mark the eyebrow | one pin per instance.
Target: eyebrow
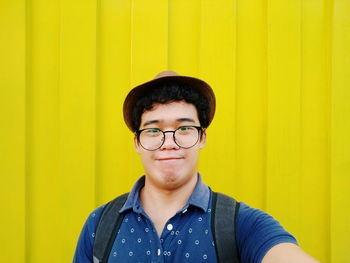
(150, 122)
(177, 120)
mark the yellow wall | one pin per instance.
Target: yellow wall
(280, 140)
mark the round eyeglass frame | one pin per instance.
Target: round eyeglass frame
(199, 129)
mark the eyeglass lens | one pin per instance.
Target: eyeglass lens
(153, 139)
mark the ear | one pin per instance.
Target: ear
(137, 144)
(203, 139)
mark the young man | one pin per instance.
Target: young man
(167, 216)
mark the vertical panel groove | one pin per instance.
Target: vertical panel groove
(265, 184)
(266, 90)
(97, 111)
(131, 37)
(328, 13)
(26, 131)
(168, 37)
(235, 92)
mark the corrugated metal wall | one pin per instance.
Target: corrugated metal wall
(280, 139)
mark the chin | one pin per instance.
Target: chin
(167, 176)
(174, 179)
(168, 180)
(171, 177)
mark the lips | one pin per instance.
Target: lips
(169, 158)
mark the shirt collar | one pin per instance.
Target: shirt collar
(199, 198)
(133, 200)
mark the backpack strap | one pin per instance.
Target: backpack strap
(107, 229)
(224, 214)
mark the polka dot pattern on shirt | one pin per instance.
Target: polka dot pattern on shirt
(185, 238)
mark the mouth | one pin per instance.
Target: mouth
(169, 158)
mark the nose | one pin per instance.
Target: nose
(169, 142)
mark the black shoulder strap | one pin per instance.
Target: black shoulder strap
(224, 211)
(107, 229)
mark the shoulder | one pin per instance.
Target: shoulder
(83, 252)
(248, 214)
(257, 232)
(91, 223)
(93, 219)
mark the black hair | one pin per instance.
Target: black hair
(167, 93)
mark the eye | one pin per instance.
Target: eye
(152, 131)
(184, 128)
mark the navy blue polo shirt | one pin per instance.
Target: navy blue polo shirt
(186, 237)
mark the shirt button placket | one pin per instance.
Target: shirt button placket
(160, 257)
(166, 253)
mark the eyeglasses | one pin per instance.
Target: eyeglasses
(152, 139)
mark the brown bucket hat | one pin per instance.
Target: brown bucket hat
(166, 76)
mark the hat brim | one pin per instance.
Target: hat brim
(140, 91)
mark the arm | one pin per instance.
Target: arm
(84, 248)
(261, 239)
(83, 251)
(287, 253)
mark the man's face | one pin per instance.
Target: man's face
(170, 167)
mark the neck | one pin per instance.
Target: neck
(169, 199)
(162, 204)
